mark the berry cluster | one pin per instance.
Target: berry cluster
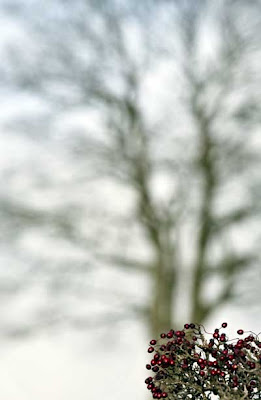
(188, 365)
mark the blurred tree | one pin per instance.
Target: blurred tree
(167, 94)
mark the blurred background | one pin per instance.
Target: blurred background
(130, 186)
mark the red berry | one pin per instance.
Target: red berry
(153, 342)
(150, 350)
(163, 335)
(214, 353)
(148, 366)
(240, 331)
(186, 326)
(224, 325)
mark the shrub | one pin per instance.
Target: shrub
(187, 364)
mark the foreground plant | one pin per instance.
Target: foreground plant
(187, 364)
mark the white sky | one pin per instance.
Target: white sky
(66, 366)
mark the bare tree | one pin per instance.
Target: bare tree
(98, 57)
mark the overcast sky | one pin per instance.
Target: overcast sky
(67, 366)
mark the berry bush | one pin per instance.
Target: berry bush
(193, 364)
